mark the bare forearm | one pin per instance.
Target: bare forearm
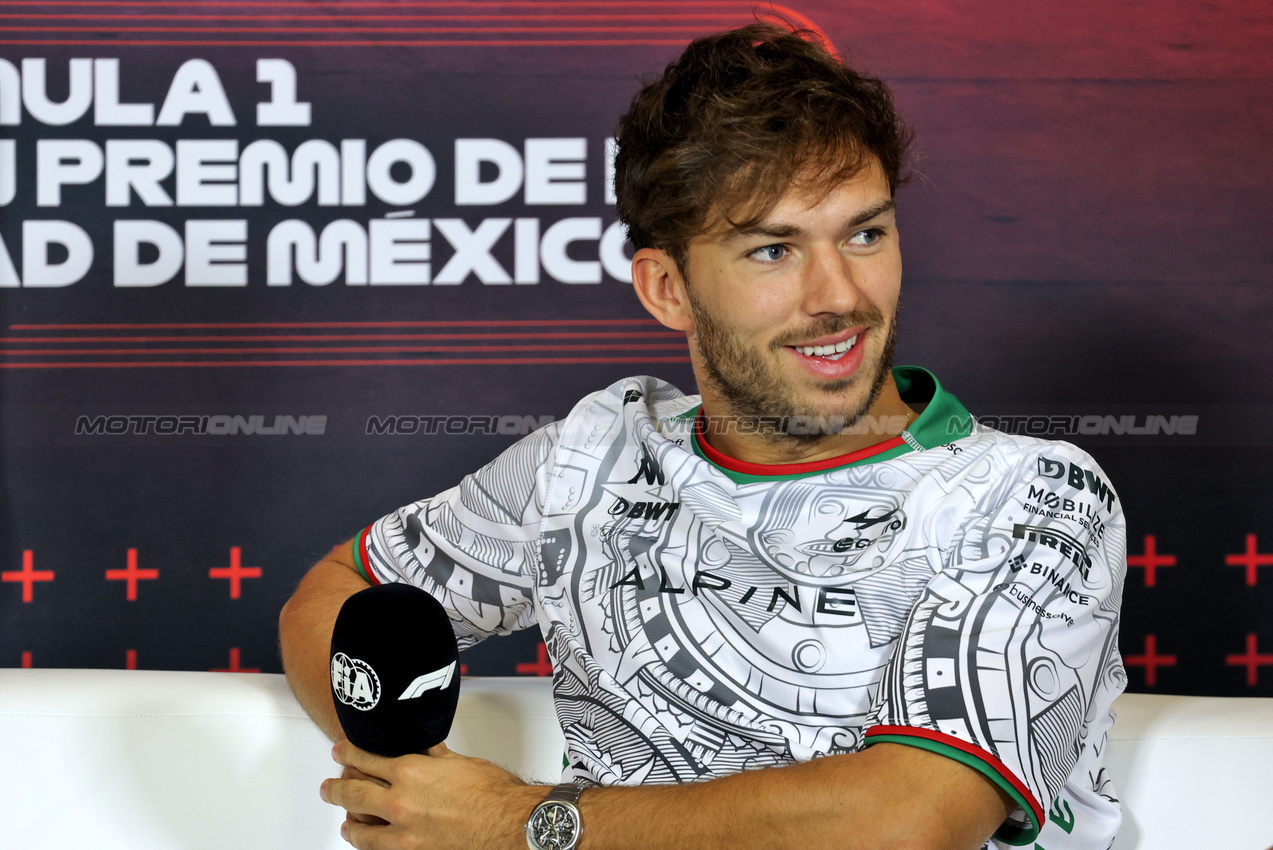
(887, 796)
(305, 630)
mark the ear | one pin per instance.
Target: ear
(659, 285)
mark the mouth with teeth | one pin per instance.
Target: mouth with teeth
(831, 358)
(828, 352)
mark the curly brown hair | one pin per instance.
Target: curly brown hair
(737, 119)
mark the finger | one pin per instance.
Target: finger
(365, 836)
(360, 818)
(355, 773)
(439, 750)
(355, 795)
(348, 755)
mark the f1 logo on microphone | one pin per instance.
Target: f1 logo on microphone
(439, 679)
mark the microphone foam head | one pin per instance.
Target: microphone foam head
(394, 670)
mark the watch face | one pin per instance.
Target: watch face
(554, 826)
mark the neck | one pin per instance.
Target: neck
(885, 419)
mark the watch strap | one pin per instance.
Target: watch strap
(566, 792)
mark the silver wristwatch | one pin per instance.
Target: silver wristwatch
(555, 824)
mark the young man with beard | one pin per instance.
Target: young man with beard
(816, 606)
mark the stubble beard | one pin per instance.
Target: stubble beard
(753, 389)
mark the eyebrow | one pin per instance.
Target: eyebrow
(786, 231)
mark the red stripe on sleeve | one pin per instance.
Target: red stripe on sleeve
(364, 563)
(972, 750)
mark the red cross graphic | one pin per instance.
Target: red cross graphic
(130, 660)
(28, 575)
(234, 664)
(131, 575)
(1249, 559)
(26, 660)
(541, 666)
(1252, 661)
(236, 572)
(1151, 660)
(1151, 560)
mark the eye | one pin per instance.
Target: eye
(868, 237)
(769, 253)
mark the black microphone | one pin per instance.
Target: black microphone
(395, 670)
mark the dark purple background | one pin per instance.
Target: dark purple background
(1088, 232)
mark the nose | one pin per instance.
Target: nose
(830, 283)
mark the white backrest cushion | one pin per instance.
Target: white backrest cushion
(144, 760)
(1193, 772)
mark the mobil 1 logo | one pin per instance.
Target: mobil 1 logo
(1079, 478)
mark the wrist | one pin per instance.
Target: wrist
(556, 824)
(520, 803)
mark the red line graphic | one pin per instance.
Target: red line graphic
(689, 31)
(628, 23)
(348, 337)
(476, 361)
(573, 42)
(346, 349)
(543, 16)
(544, 337)
(457, 323)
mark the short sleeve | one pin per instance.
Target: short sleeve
(474, 547)
(1009, 658)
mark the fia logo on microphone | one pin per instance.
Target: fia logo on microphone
(354, 682)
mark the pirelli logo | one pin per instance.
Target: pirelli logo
(1069, 547)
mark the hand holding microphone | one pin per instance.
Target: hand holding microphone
(395, 684)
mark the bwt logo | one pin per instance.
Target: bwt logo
(1078, 478)
(643, 510)
(216, 426)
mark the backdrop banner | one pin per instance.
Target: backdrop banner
(271, 270)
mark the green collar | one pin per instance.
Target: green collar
(942, 420)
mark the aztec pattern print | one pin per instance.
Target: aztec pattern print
(961, 595)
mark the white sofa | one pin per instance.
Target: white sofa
(141, 760)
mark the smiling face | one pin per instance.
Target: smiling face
(796, 316)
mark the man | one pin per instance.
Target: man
(817, 607)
